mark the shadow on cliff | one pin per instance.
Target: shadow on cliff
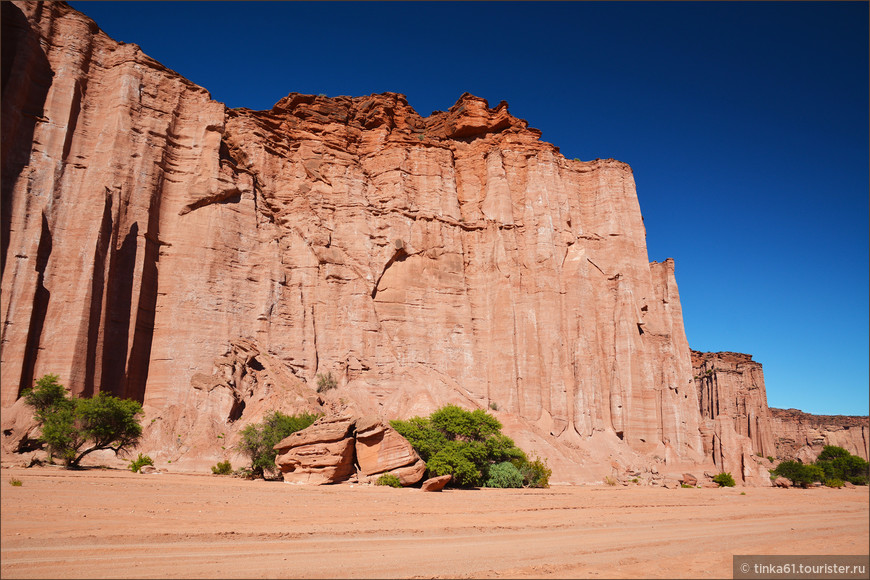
(26, 78)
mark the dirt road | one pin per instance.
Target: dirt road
(116, 524)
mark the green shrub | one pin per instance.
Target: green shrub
(770, 458)
(139, 462)
(536, 473)
(504, 474)
(837, 463)
(325, 382)
(834, 483)
(466, 445)
(70, 424)
(390, 480)
(15, 482)
(258, 440)
(798, 473)
(222, 468)
(687, 485)
(724, 479)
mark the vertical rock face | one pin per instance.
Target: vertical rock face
(210, 262)
(803, 436)
(735, 421)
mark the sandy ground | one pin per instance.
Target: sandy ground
(109, 523)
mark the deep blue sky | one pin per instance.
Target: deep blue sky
(746, 125)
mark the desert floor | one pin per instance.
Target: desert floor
(109, 523)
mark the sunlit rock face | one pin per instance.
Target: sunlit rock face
(213, 262)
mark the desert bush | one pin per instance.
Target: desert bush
(325, 382)
(610, 480)
(466, 444)
(837, 463)
(222, 468)
(724, 479)
(834, 483)
(798, 473)
(536, 473)
(243, 473)
(504, 474)
(686, 485)
(258, 440)
(140, 462)
(75, 427)
(390, 480)
(15, 482)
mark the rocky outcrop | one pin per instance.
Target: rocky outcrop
(735, 421)
(802, 436)
(336, 447)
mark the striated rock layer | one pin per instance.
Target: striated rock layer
(803, 436)
(212, 262)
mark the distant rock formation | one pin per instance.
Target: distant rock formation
(212, 262)
(802, 436)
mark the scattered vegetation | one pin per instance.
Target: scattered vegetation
(838, 483)
(839, 464)
(243, 473)
(259, 439)
(724, 479)
(609, 480)
(222, 468)
(14, 481)
(325, 382)
(834, 464)
(687, 485)
(140, 462)
(493, 405)
(467, 445)
(798, 473)
(390, 480)
(75, 427)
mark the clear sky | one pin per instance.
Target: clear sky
(746, 125)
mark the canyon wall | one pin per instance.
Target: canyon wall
(212, 262)
(736, 425)
(802, 436)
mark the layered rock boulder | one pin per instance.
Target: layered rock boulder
(333, 449)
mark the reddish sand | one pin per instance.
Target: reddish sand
(108, 523)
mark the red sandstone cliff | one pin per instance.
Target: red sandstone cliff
(211, 262)
(802, 435)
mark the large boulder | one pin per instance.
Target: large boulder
(321, 453)
(333, 448)
(781, 482)
(381, 449)
(436, 483)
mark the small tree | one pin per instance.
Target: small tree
(75, 427)
(259, 439)
(798, 473)
(839, 464)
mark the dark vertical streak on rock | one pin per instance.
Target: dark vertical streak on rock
(40, 307)
(26, 78)
(116, 326)
(97, 289)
